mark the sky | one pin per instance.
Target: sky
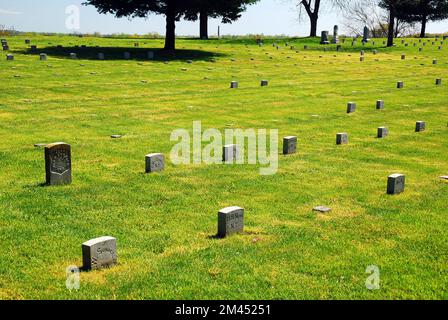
(268, 17)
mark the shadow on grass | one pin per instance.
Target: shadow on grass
(118, 53)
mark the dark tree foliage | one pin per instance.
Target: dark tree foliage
(424, 11)
(228, 10)
(173, 10)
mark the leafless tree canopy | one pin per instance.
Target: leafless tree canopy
(362, 13)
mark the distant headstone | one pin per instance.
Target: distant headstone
(338, 48)
(58, 164)
(380, 104)
(289, 145)
(9, 57)
(155, 162)
(420, 126)
(136, 44)
(127, 55)
(230, 221)
(229, 153)
(33, 48)
(73, 56)
(438, 82)
(335, 39)
(5, 48)
(383, 132)
(101, 56)
(396, 183)
(351, 107)
(27, 41)
(324, 38)
(234, 85)
(264, 83)
(99, 253)
(434, 61)
(43, 57)
(362, 59)
(366, 35)
(403, 57)
(400, 85)
(342, 138)
(305, 47)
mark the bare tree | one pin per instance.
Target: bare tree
(313, 9)
(367, 13)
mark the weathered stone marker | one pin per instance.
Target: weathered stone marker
(289, 145)
(434, 61)
(73, 56)
(324, 38)
(380, 104)
(342, 138)
(27, 41)
(58, 164)
(383, 132)
(264, 83)
(362, 58)
(155, 162)
(9, 57)
(101, 56)
(33, 48)
(420, 126)
(400, 85)
(366, 35)
(99, 253)
(335, 39)
(230, 221)
(395, 183)
(127, 55)
(438, 82)
(234, 85)
(351, 107)
(403, 57)
(229, 153)
(43, 57)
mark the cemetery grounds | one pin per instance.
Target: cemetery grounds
(165, 223)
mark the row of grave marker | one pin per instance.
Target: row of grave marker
(101, 252)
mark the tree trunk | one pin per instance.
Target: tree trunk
(170, 37)
(312, 14)
(423, 31)
(391, 31)
(203, 22)
(313, 20)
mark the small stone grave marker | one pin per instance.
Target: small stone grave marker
(396, 183)
(58, 164)
(99, 253)
(230, 221)
(155, 162)
(289, 145)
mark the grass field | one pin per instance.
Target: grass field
(165, 222)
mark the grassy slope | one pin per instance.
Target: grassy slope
(164, 222)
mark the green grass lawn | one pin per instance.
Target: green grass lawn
(164, 223)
